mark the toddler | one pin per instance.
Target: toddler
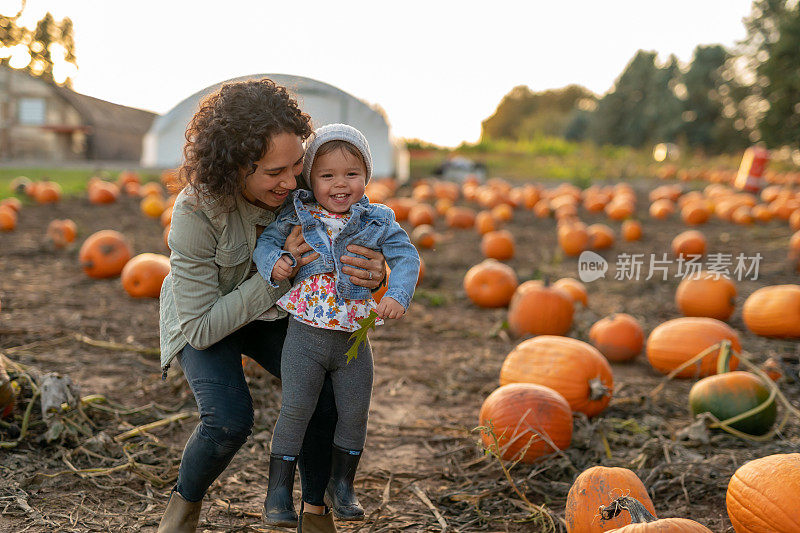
(326, 307)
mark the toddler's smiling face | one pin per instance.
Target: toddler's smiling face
(338, 180)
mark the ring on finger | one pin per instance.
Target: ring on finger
(370, 274)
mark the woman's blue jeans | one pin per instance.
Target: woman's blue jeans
(226, 411)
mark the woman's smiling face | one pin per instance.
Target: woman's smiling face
(275, 173)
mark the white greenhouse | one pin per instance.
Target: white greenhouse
(163, 143)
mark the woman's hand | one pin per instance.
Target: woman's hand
(367, 271)
(297, 246)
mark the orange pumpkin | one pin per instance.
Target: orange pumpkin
(424, 236)
(48, 192)
(62, 232)
(503, 212)
(662, 209)
(526, 417)
(573, 368)
(103, 192)
(126, 177)
(8, 218)
(695, 213)
(600, 236)
(573, 238)
(619, 209)
(401, 207)
(597, 486)
(13, 203)
(104, 254)
(498, 245)
(706, 294)
(644, 522)
(421, 214)
(763, 495)
(151, 188)
(619, 337)
(542, 208)
(490, 284)
(676, 341)
(631, 230)
(773, 311)
(143, 275)
(575, 289)
(485, 222)
(152, 205)
(537, 309)
(460, 217)
(689, 243)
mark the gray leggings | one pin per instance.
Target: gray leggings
(308, 353)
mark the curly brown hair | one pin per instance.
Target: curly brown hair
(233, 129)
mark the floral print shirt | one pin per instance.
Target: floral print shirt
(314, 301)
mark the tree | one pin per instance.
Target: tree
(39, 43)
(524, 114)
(780, 122)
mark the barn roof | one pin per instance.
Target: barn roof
(102, 114)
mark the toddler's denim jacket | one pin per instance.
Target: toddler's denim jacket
(371, 226)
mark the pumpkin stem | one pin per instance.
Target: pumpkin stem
(724, 357)
(639, 514)
(597, 389)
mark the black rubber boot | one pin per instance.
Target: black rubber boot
(279, 504)
(340, 492)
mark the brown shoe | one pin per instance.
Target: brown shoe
(316, 523)
(180, 516)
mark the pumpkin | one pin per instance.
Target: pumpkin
(424, 236)
(642, 521)
(151, 189)
(762, 495)
(8, 218)
(600, 236)
(490, 284)
(575, 289)
(485, 222)
(542, 208)
(573, 368)
(498, 245)
(48, 192)
(460, 217)
(103, 192)
(573, 238)
(132, 189)
(596, 486)
(695, 213)
(442, 206)
(537, 309)
(729, 394)
(166, 217)
(128, 176)
(143, 275)
(377, 193)
(619, 337)
(421, 214)
(676, 341)
(631, 230)
(62, 232)
(152, 205)
(401, 207)
(526, 417)
(661, 209)
(794, 220)
(706, 294)
(104, 254)
(13, 203)
(619, 209)
(773, 311)
(761, 213)
(20, 185)
(503, 212)
(688, 243)
(8, 394)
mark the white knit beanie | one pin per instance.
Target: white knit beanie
(334, 132)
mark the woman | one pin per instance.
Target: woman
(242, 155)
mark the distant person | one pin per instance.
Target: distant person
(326, 308)
(243, 156)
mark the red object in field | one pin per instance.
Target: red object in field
(751, 172)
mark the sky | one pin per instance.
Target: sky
(438, 68)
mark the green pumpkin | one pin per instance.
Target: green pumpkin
(727, 395)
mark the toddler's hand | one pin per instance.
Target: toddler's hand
(390, 308)
(282, 269)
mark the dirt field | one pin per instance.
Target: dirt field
(423, 467)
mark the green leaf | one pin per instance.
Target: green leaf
(367, 323)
